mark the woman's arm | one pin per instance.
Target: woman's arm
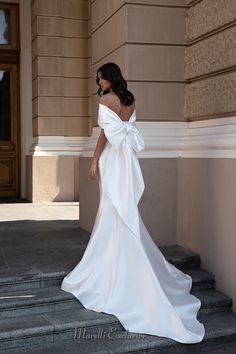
(97, 152)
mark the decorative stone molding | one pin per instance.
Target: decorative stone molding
(209, 15)
(192, 2)
(57, 146)
(210, 97)
(209, 139)
(163, 3)
(211, 54)
(214, 138)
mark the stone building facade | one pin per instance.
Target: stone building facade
(179, 59)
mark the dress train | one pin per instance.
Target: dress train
(122, 271)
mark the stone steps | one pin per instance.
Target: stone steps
(181, 257)
(25, 281)
(44, 300)
(36, 301)
(24, 278)
(38, 317)
(201, 279)
(59, 332)
(213, 301)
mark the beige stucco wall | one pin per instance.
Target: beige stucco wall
(206, 220)
(206, 200)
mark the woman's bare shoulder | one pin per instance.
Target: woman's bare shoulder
(109, 99)
(113, 102)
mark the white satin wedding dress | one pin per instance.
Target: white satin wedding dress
(122, 271)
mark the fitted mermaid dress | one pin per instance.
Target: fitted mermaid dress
(122, 271)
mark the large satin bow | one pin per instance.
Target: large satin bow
(122, 180)
(120, 132)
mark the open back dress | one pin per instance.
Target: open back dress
(122, 271)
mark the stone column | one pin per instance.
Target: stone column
(61, 96)
(147, 40)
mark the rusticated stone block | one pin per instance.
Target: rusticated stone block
(48, 66)
(77, 67)
(103, 10)
(75, 28)
(76, 47)
(162, 24)
(103, 35)
(209, 15)
(48, 46)
(212, 54)
(45, 7)
(48, 86)
(76, 106)
(76, 9)
(213, 96)
(77, 126)
(48, 126)
(76, 87)
(48, 106)
(49, 26)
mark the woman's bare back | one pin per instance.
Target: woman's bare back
(113, 102)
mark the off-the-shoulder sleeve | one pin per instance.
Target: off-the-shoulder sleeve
(118, 131)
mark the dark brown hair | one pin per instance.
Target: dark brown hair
(111, 72)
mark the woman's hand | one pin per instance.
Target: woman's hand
(92, 170)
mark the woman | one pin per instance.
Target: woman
(122, 271)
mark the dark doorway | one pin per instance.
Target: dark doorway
(9, 101)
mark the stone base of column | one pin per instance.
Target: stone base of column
(52, 178)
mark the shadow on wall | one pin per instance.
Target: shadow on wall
(89, 196)
(52, 178)
(206, 215)
(66, 185)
